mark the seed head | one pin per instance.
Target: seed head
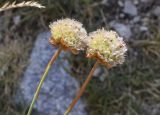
(69, 34)
(107, 47)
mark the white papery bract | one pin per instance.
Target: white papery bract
(106, 46)
(69, 31)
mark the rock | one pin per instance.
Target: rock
(120, 3)
(122, 29)
(97, 72)
(146, 1)
(102, 78)
(151, 109)
(136, 19)
(121, 15)
(143, 28)
(145, 21)
(130, 8)
(58, 90)
(156, 11)
(16, 20)
(136, 2)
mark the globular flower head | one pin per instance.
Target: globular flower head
(107, 47)
(69, 34)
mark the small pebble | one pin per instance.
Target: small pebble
(156, 11)
(16, 20)
(130, 8)
(143, 28)
(122, 29)
(120, 3)
(136, 19)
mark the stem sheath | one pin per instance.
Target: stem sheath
(80, 92)
(54, 57)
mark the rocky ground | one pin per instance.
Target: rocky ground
(129, 17)
(132, 88)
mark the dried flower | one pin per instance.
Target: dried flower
(69, 34)
(107, 47)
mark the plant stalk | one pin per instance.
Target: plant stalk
(54, 57)
(80, 92)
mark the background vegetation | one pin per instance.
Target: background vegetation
(130, 89)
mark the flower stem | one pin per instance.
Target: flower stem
(80, 92)
(54, 57)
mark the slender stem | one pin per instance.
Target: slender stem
(42, 79)
(82, 89)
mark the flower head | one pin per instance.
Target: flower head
(68, 33)
(107, 47)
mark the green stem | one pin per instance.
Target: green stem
(80, 92)
(42, 80)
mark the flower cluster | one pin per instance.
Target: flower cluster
(69, 34)
(106, 46)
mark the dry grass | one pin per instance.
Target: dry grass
(9, 5)
(132, 88)
(13, 58)
(15, 46)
